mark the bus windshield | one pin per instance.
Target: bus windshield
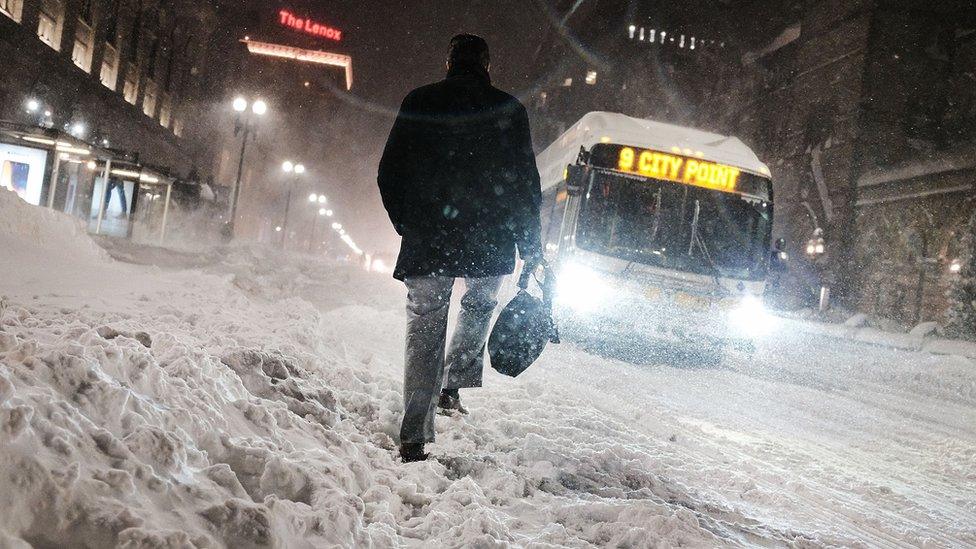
(676, 226)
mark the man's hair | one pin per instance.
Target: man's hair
(468, 49)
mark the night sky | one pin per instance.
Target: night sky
(401, 45)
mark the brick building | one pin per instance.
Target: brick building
(125, 71)
(126, 81)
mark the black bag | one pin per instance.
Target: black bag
(524, 327)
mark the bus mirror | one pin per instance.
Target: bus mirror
(575, 179)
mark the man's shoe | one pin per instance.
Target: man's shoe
(412, 451)
(449, 405)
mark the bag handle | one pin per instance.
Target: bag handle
(548, 286)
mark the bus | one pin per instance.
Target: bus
(657, 232)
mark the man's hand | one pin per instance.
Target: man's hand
(529, 266)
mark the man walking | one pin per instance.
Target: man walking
(459, 181)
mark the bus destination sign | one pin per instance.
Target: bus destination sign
(668, 167)
(679, 169)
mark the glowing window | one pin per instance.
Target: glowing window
(12, 8)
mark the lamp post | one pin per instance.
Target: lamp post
(317, 200)
(292, 170)
(244, 125)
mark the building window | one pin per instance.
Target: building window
(149, 100)
(178, 126)
(130, 90)
(12, 8)
(165, 109)
(568, 82)
(591, 77)
(50, 20)
(110, 67)
(82, 53)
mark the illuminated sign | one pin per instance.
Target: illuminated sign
(308, 26)
(680, 169)
(299, 54)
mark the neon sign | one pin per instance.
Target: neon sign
(308, 26)
(680, 169)
(299, 54)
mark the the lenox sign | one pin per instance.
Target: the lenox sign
(308, 26)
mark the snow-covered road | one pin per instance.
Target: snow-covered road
(809, 440)
(246, 398)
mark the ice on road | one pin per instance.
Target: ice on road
(248, 398)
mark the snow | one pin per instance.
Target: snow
(240, 397)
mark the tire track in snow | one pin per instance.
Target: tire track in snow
(841, 498)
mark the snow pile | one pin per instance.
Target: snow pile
(214, 408)
(24, 228)
(249, 398)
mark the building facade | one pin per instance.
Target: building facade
(89, 86)
(119, 73)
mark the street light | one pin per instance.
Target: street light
(322, 211)
(289, 167)
(322, 199)
(313, 197)
(33, 105)
(242, 125)
(78, 129)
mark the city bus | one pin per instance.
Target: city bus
(657, 232)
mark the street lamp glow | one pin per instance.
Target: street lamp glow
(259, 107)
(313, 197)
(278, 229)
(299, 168)
(33, 105)
(337, 226)
(78, 129)
(328, 213)
(322, 211)
(47, 114)
(240, 104)
(287, 166)
(322, 199)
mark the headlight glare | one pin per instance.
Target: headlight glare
(579, 287)
(751, 318)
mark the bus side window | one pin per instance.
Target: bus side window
(552, 210)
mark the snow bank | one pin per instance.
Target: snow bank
(27, 227)
(216, 408)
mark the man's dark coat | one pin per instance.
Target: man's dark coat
(459, 181)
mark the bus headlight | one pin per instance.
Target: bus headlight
(751, 318)
(581, 288)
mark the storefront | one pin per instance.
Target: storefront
(108, 190)
(129, 201)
